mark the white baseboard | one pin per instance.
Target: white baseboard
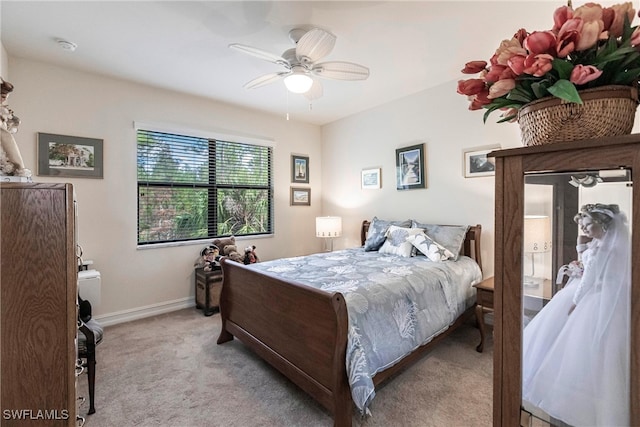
(146, 311)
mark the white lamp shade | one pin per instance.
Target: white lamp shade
(537, 233)
(298, 82)
(328, 226)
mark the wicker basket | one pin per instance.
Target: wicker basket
(606, 111)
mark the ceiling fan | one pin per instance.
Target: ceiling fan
(301, 64)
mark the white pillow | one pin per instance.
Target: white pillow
(430, 248)
(396, 242)
(450, 236)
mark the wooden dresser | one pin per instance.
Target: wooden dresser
(38, 305)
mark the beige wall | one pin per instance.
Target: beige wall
(4, 63)
(438, 118)
(3, 53)
(55, 100)
(61, 101)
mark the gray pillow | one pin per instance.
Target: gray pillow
(378, 229)
(449, 236)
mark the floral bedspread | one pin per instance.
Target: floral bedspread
(395, 304)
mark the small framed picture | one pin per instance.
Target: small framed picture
(300, 196)
(477, 163)
(371, 178)
(299, 169)
(410, 169)
(69, 156)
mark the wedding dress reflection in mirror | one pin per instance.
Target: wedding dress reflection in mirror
(576, 349)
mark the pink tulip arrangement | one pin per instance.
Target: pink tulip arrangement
(588, 47)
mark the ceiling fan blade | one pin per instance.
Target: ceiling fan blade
(341, 70)
(259, 53)
(314, 45)
(315, 92)
(265, 80)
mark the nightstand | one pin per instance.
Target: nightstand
(484, 304)
(208, 287)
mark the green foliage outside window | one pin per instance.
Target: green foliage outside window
(193, 188)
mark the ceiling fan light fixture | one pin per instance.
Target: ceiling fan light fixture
(301, 66)
(298, 82)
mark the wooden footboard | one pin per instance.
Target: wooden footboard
(299, 330)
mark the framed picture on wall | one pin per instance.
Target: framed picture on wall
(410, 167)
(69, 156)
(370, 178)
(477, 163)
(299, 169)
(300, 196)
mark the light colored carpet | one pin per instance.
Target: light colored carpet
(168, 371)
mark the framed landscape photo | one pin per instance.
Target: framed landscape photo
(410, 167)
(477, 163)
(300, 196)
(299, 169)
(370, 178)
(69, 156)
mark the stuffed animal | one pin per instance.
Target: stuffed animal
(229, 249)
(215, 253)
(221, 243)
(200, 261)
(231, 252)
(212, 259)
(209, 259)
(250, 256)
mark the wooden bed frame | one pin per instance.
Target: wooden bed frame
(302, 331)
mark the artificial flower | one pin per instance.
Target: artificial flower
(582, 74)
(586, 47)
(471, 86)
(540, 42)
(501, 88)
(474, 67)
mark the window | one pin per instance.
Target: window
(192, 188)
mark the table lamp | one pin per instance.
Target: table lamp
(328, 227)
(537, 238)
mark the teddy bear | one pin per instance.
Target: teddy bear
(231, 252)
(250, 256)
(229, 249)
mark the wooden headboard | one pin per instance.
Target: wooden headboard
(470, 248)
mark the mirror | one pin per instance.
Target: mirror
(576, 283)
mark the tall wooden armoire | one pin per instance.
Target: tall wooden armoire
(38, 305)
(554, 181)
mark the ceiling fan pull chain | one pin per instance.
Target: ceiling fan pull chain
(287, 95)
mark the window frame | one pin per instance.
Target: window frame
(212, 186)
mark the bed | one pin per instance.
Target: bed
(303, 328)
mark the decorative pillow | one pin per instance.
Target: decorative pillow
(377, 231)
(397, 241)
(449, 236)
(430, 248)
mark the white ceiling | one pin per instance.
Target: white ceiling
(183, 45)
